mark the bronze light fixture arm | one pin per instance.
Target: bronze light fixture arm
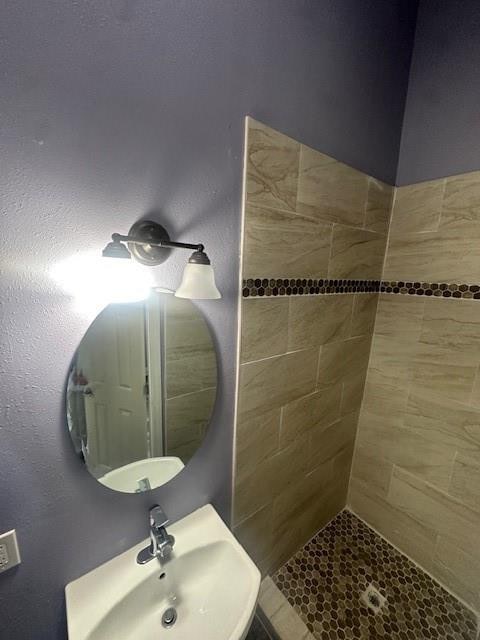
(149, 243)
(168, 244)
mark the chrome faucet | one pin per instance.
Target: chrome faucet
(161, 542)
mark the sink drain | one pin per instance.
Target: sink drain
(169, 617)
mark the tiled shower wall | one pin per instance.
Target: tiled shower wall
(314, 237)
(416, 473)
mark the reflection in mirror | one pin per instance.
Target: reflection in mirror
(141, 391)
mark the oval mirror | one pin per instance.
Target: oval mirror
(141, 391)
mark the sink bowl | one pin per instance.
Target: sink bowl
(157, 470)
(209, 581)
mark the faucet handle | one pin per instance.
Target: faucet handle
(158, 517)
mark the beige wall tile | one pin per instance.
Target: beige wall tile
(317, 410)
(431, 376)
(364, 311)
(371, 469)
(264, 328)
(465, 483)
(257, 439)
(450, 326)
(272, 167)
(379, 205)
(356, 253)
(340, 360)
(445, 256)
(270, 479)
(434, 416)
(256, 533)
(270, 383)
(314, 321)
(435, 510)
(411, 536)
(461, 206)
(353, 387)
(327, 443)
(330, 190)
(282, 616)
(187, 419)
(459, 570)
(298, 512)
(418, 207)
(282, 245)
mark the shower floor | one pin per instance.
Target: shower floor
(324, 581)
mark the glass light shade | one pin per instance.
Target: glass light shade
(198, 283)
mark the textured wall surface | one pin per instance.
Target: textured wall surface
(303, 358)
(416, 472)
(110, 111)
(442, 128)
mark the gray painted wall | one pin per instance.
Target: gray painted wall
(441, 130)
(111, 110)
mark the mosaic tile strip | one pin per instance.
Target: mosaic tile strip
(439, 289)
(302, 286)
(325, 580)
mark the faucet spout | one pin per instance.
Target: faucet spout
(161, 542)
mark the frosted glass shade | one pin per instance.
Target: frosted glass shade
(198, 283)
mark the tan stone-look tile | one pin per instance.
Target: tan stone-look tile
(352, 394)
(318, 409)
(426, 458)
(418, 207)
(255, 533)
(330, 190)
(298, 513)
(371, 469)
(191, 373)
(452, 327)
(430, 375)
(364, 312)
(272, 167)
(443, 256)
(187, 419)
(257, 438)
(272, 382)
(264, 328)
(314, 321)
(270, 479)
(356, 253)
(465, 481)
(379, 205)
(458, 570)
(461, 205)
(278, 244)
(435, 510)
(414, 538)
(339, 360)
(326, 443)
(454, 425)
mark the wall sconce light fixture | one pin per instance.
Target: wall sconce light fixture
(149, 243)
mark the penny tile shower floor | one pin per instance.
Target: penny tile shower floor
(325, 579)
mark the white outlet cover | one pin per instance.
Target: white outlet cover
(9, 551)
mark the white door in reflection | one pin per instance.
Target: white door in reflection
(114, 369)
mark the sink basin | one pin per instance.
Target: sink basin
(209, 580)
(157, 470)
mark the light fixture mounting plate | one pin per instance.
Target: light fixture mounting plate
(149, 231)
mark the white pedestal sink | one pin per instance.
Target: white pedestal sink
(209, 581)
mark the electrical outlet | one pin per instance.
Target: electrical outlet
(9, 552)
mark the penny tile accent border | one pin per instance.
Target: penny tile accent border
(257, 287)
(437, 289)
(266, 287)
(324, 582)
